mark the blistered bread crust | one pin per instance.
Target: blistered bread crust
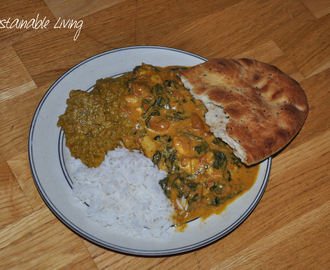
(265, 107)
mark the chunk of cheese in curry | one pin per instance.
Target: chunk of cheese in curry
(149, 109)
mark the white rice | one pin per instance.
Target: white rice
(123, 194)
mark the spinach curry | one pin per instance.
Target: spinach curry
(149, 109)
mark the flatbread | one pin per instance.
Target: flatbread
(252, 106)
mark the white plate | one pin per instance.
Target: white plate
(47, 155)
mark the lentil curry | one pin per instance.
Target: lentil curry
(150, 110)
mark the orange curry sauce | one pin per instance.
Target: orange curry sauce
(149, 109)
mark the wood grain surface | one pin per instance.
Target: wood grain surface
(290, 227)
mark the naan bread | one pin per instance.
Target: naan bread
(252, 106)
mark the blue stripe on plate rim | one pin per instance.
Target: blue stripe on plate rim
(98, 241)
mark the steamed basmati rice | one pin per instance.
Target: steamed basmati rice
(124, 195)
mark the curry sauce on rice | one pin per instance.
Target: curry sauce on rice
(151, 111)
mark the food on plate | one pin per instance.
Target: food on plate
(252, 106)
(151, 111)
(96, 122)
(123, 194)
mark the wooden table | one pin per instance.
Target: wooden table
(290, 227)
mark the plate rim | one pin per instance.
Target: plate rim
(114, 247)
